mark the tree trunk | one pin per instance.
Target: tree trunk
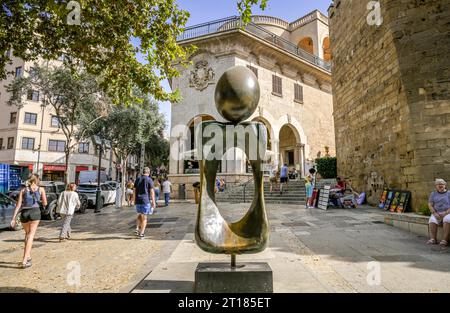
(66, 173)
(123, 164)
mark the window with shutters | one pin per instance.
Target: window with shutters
(298, 93)
(277, 85)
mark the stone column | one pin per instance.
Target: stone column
(276, 150)
(301, 153)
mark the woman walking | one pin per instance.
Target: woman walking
(130, 192)
(157, 188)
(67, 203)
(30, 213)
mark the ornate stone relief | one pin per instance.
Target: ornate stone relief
(201, 76)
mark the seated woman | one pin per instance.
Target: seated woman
(439, 205)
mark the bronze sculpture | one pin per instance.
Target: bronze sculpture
(237, 95)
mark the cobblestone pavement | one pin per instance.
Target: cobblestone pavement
(103, 244)
(310, 251)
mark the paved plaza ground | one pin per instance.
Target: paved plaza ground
(310, 250)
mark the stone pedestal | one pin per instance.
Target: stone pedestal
(245, 278)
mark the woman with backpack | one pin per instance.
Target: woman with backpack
(30, 213)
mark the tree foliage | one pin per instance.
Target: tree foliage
(245, 8)
(327, 167)
(103, 40)
(65, 93)
(127, 127)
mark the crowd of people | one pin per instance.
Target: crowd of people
(144, 193)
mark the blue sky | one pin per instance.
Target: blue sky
(208, 10)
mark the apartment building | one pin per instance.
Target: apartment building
(30, 136)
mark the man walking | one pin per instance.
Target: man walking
(283, 177)
(144, 192)
(167, 186)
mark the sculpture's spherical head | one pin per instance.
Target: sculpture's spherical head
(237, 94)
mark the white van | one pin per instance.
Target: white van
(91, 177)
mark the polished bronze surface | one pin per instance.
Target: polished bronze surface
(212, 232)
(237, 94)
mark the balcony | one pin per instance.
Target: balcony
(235, 23)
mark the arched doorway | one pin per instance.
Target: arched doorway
(307, 44)
(269, 130)
(289, 144)
(326, 49)
(191, 165)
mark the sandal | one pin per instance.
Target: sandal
(27, 264)
(443, 243)
(431, 242)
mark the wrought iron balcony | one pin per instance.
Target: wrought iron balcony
(235, 23)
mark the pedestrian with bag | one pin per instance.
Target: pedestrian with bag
(30, 214)
(67, 203)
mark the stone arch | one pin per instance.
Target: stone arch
(289, 143)
(326, 48)
(192, 124)
(270, 132)
(307, 44)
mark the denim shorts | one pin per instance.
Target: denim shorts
(144, 209)
(30, 214)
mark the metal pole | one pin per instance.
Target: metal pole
(40, 139)
(110, 164)
(233, 261)
(98, 193)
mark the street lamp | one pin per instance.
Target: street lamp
(102, 144)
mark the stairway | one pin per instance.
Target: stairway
(296, 194)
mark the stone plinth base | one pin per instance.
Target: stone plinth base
(245, 278)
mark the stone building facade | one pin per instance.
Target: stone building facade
(295, 103)
(391, 94)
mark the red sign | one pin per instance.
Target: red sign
(54, 167)
(81, 168)
(30, 166)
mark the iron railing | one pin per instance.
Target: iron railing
(235, 23)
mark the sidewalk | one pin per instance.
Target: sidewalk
(321, 251)
(309, 251)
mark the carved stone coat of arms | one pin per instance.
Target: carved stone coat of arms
(201, 76)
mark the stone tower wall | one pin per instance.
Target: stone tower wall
(391, 86)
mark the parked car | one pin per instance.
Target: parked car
(7, 206)
(87, 177)
(114, 184)
(108, 193)
(53, 190)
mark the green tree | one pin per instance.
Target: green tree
(157, 151)
(127, 126)
(327, 167)
(67, 94)
(100, 34)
